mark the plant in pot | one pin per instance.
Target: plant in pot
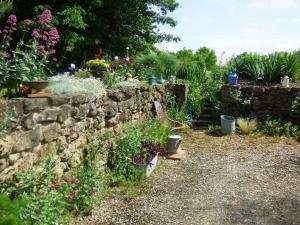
(147, 160)
(24, 62)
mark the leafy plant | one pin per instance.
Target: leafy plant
(97, 67)
(278, 128)
(246, 125)
(10, 210)
(62, 84)
(214, 130)
(26, 61)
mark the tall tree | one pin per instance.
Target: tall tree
(113, 25)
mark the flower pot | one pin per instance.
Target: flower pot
(227, 124)
(148, 169)
(37, 86)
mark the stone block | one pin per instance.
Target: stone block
(35, 104)
(125, 105)
(78, 99)
(110, 109)
(50, 114)
(4, 163)
(51, 131)
(65, 113)
(6, 146)
(22, 141)
(58, 100)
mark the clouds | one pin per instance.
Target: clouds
(273, 4)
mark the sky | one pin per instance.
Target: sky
(235, 26)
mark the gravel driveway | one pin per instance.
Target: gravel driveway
(223, 180)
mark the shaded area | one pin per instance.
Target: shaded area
(224, 180)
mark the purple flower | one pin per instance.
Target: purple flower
(12, 20)
(53, 36)
(35, 33)
(5, 31)
(45, 17)
(45, 37)
(41, 49)
(52, 51)
(27, 22)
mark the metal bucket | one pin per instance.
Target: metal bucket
(227, 124)
(173, 144)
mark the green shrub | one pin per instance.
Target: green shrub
(213, 130)
(278, 128)
(10, 211)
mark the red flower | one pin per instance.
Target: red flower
(24, 88)
(53, 186)
(73, 193)
(99, 53)
(72, 181)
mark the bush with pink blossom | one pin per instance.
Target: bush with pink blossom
(23, 60)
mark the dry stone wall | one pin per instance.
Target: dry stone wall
(262, 102)
(59, 124)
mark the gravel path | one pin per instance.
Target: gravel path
(223, 180)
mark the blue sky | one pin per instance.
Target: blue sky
(235, 26)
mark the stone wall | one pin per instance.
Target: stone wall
(59, 124)
(261, 102)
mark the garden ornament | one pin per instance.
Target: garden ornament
(233, 79)
(285, 81)
(72, 67)
(116, 58)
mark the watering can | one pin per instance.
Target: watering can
(173, 144)
(161, 80)
(233, 79)
(285, 81)
(151, 80)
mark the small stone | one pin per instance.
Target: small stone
(51, 131)
(14, 158)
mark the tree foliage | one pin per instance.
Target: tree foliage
(86, 25)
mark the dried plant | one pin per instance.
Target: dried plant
(247, 126)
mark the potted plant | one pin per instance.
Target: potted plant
(24, 64)
(147, 160)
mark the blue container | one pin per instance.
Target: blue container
(233, 79)
(161, 80)
(151, 80)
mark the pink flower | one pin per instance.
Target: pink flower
(27, 22)
(73, 193)
(54, 59)
(41, 49)
(52, 51)
(53, 186)
(5, 31)
(12, 20)
(53, 36)
(72, 181)
(35, 33)
(45, 17)
(45, 38)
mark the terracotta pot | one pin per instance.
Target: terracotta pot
(38, 85)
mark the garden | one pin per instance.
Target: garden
(98, 126)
